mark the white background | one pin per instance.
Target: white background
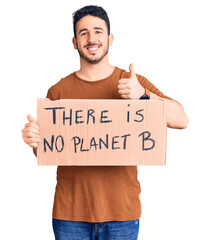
(168, 42)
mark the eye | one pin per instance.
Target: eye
(98, 32)
(83, 34)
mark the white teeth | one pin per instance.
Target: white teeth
(92, 48)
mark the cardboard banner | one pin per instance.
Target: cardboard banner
(101, 132)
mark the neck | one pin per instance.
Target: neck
(94, 72)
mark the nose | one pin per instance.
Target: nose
(92, 37)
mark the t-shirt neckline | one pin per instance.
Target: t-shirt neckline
(100, 80)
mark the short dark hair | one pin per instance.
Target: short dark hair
(93, 11)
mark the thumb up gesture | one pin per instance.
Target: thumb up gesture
(130, 88)
(31, 133)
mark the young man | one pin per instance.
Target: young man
(99, 202)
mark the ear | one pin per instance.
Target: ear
(74, 41)
(111, 39)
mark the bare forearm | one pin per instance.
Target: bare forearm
(175, 115)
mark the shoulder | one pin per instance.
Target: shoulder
(121, 73)
(54, 91)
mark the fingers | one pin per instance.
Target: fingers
(31, 133)
(126, 86)
(132, 72)
(124, 80)
(125, 93)
(31, 141)
(31, 119)
(32, 126)
(125, 96)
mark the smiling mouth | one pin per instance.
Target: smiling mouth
(93, 49)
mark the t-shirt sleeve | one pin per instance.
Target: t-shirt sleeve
(49, 95)
(147, 84)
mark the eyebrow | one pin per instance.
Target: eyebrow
(85, 29)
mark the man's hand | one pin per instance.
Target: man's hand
(130, 88)
(31, 133)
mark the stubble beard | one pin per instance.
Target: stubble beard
(93, 61)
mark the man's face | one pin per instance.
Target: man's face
(92, 40)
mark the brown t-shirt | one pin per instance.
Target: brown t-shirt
(96, 193)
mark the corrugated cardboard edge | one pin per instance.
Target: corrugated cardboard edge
(38, 100)
(165, 133)
(38, 148)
